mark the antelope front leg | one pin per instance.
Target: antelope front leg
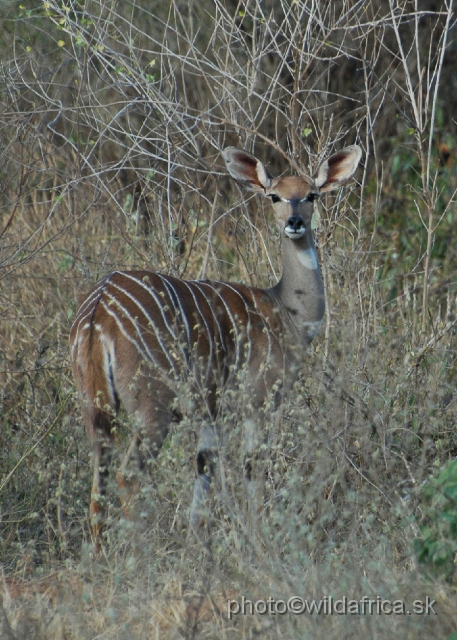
(205, 463)
(102, 463)
(253, 470)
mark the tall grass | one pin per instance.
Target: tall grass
(112, 119)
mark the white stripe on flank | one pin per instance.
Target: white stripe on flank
(213, 285)
(202, 283)
(175, 296)
(146, 355)
(248, 313)
(88, 302)
(210, 337)
(138, 328)
(157, 300)
(220, 350)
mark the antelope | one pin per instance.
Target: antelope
(139, 335)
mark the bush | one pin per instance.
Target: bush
(436, 547)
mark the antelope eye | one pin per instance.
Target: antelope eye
(312, 197)
(274, 198)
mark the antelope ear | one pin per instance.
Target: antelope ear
(246, 169)
(334, 171)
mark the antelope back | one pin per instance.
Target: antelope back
(137, 326)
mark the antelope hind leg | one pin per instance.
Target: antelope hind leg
(102, 463)
(128, 483)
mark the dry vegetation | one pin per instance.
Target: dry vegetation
(112, 118)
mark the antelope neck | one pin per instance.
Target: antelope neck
(300, 291)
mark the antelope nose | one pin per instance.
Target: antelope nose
(295, 224)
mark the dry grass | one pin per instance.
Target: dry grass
(112, 118)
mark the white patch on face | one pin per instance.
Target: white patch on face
(295, 235)
(308, 259)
